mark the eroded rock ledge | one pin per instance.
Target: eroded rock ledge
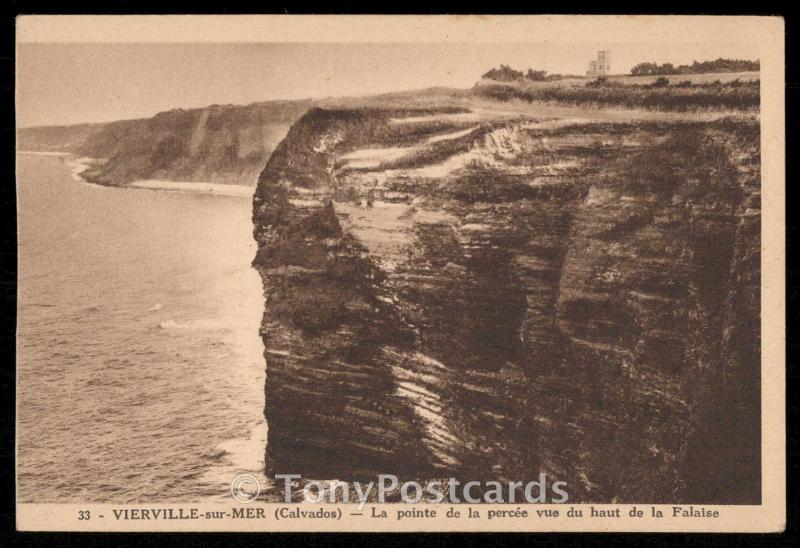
(449, 295)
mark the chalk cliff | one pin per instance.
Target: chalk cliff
(455, 295)
(216, 144)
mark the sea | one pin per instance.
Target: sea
(140, 373)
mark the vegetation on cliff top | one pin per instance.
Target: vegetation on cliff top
(719, 65)
(508, 74)
(661, 95)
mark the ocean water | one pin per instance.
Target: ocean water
(140, 368)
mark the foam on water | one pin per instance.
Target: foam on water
(140, 367)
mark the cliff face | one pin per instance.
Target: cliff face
(448, 295)
(66, 139)
(217, 144)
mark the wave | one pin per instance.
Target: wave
(170, 324)
(210, 324)
(236, 456)
(196, 187)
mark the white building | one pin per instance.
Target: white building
(601, 66)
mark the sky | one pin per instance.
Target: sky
(64, 81)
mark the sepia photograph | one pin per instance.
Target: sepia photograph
(428, 273)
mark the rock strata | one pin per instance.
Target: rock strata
(448, 295)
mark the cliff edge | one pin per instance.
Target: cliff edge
(226, 144)
(449, 294)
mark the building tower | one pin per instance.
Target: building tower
(601, 66)
(603, 62)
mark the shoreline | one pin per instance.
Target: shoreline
(43, 153)
(78, 165)
(214, 189)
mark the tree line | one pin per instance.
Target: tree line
(719, 65)
(508, 74)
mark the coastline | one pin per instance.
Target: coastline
(42, 153)
(215, 189)
(78, 165)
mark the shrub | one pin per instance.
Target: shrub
(660, 82)
(720, 65)
(507, 74)
(742, 96)
(504, 74)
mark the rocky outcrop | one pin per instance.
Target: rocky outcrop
(454, 295)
